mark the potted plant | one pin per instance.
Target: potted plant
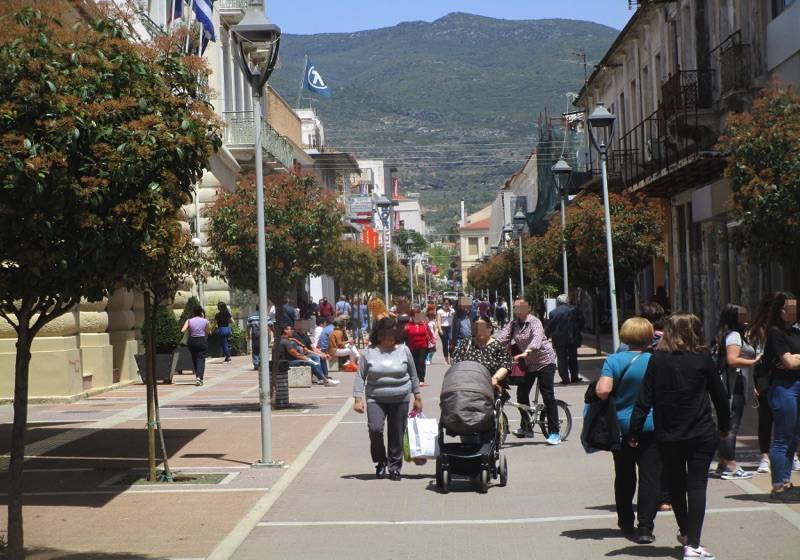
(184, 362)
(167, 339)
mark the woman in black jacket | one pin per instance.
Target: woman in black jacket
(680, 377)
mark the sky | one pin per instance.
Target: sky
(340, 16)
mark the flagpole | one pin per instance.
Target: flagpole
(302, 83)
(188, 26)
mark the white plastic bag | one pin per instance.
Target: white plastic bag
(423, 437)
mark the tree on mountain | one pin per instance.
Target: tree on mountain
(764, 167)
(98, 135)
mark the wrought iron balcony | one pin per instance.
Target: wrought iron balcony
(232, 11)
(734, 64)
(240, 132)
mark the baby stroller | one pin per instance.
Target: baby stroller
(471, 411)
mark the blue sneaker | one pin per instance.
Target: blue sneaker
(553, 439)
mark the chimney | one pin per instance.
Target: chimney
(463, 215)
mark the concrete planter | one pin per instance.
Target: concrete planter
(184, 363)
(299, 376)
(165, 365)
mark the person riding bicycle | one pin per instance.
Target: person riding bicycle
(525, 338)
(484, 349)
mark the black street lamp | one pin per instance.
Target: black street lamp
(258, 42)
(384, 206)
(601, 132)
(520, 221)
(409, 247)
(562, 172)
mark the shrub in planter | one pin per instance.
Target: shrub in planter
(167, 338)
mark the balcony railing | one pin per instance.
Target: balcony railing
(232, 4)
(671, 133)
(734, 64)
(240, 131)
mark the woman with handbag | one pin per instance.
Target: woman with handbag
(198, 328)
(621, 377)
(383, 386)
(681, 376)
(737, 358)
(417, 337)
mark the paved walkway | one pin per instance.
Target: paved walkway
(325, 502)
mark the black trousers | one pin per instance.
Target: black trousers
(647, 460)
(445, 338)
(567, 356)
(686, 464)
(394, 416)
(546, 377)
(419, 362)
(198, 348)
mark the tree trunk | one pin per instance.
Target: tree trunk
(167, 474)
(596, 322)
(150, 352)
(16, 548)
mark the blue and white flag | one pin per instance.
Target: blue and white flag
(202, 11)
(312, 81)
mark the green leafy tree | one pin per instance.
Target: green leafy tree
(401, 236)
(98, 135)
(764, 167)
(355, 267)
(442, 255)
(303, 231)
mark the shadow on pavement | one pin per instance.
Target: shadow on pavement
(53, 553)
(606, 507)
(593, 534)
(645, 551)
(236, 407)
(371, 476)
(763, 498)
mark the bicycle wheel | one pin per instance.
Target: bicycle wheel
(502, 428)
(564, 421)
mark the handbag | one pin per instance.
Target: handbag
(600, 425)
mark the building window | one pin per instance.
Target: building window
(472, 246)
(778, 6)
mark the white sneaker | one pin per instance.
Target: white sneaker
(796, 464)
(332, 382)
(738, 474)
(691, 553)
(763, 465)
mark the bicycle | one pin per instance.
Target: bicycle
(536, 415)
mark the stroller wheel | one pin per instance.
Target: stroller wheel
(484, 481)
(445, 481)
(503, 470)
(439, 472)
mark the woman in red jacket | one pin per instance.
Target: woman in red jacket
(418, 336)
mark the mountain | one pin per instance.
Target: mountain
(453, 104)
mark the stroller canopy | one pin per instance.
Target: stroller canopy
(467, 399)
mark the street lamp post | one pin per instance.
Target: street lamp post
(601, 122)
(519, 225)
(258, 42)
(561, 172)
(409, 246)
(385, 208)
(507, 231)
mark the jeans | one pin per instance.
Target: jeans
(256, 349)
(445, 338)
(784, 394)
(316, 369)
(225, 335)
(647, 460)
(546, 376)
(198, 347)
(686, 464)
(395, 417)
(568, 363)
(419, 362)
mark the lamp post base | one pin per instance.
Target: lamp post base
(273, 464)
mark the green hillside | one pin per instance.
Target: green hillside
(452, 103)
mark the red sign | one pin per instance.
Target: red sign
(370, 237)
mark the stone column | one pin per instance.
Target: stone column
(121, 322)
(97, 353)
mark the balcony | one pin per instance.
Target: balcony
(232, 11)
(239, 137)
(734, 65)
(676, 135)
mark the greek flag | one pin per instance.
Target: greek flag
(202, 11)
(312, 81)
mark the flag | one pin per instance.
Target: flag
(312, 81)
(202, 11)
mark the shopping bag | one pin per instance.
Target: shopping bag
(406, 448)
(423, 437)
